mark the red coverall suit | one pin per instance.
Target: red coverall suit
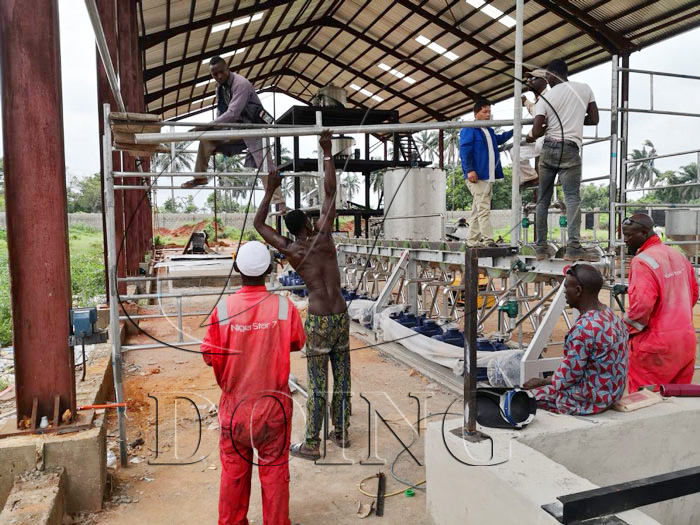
(662, 292)
(255, 410)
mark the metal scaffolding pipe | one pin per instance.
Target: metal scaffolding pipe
(516, 216)
(612, 190)
(688, 152)
(660, 112)
(209, 174)
(302, 131)
(137, 297)
(35, 197)
(209, 188)
(667, 187)
(659, 73)
(110, 219)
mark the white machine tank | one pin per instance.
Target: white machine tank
(414, 203)
(684, 225)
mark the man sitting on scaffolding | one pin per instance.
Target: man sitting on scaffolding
(236, 101)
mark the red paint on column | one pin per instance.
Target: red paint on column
(35, 194)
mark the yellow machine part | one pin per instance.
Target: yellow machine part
(483, 282)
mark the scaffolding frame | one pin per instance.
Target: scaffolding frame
(618, 138)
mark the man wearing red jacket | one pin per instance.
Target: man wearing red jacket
(248, 341)
(662, 292)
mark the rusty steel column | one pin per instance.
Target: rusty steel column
(104, 96)
(35, 191)
(136, 208)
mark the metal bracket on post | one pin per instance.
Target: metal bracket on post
(412, 286)
(385, 295)
(531, 365)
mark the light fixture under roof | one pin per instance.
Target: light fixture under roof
(366, 93)
(225, 55)
(203, 83)
(493, 12)
(237, 22)
(437, 48)
(396, 73)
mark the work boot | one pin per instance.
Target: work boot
(579, 253)
(304, 451)
(340, 438)
(544, 252)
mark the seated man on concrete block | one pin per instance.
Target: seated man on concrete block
(592, 376)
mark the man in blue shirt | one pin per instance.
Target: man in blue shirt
(481, 165)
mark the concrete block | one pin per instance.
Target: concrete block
(15, 458)
(82, 454)
(511, 489)
(37, 498)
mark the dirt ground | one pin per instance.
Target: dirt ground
(188, 493)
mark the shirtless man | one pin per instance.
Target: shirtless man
(312, 254)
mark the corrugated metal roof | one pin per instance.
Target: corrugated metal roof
(299, 46)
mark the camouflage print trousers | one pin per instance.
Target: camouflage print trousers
(327, 338)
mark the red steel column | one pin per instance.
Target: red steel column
(136, 208)
(35, 190)
(104, 95)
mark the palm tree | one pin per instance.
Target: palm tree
(427, 142)
(306, 185)
(684, 192)
(352, 183)
(182, 161)
(228, 164)
(376, 181)
(451, 145)
(643, 172)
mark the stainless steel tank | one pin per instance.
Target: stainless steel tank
(684, 225)
(414, 203)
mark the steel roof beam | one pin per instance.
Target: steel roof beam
(158, 70)
(596, 29)
(153, 39)
(280, 72)
(243, 65)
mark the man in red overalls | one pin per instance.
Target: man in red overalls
(662, 292)
(247, 343)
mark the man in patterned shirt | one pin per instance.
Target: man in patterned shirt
(593, 373)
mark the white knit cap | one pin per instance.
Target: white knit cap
(253, 259)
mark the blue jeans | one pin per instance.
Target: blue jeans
(561, 158)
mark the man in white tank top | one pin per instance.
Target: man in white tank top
(565, 109)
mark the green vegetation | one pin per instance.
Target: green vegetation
(5, 314)
(84, 194)
(87, 273)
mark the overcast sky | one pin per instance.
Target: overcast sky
(669, 134)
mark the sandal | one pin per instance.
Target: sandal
(194, 183)
(301, 450)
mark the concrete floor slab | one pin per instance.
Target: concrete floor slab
(558, 455)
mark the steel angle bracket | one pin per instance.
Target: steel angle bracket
(385, 295)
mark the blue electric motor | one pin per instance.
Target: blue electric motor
(428, 328)
(483, 344)
(452, 337)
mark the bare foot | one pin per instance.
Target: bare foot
(194, 183)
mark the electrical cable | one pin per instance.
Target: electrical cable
(393, 463)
